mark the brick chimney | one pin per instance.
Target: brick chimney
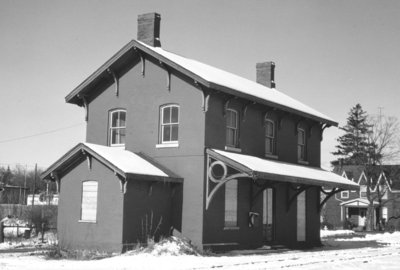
(149, 29)
(266, 74)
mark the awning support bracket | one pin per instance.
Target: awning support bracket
(219, 180)
(328, 196)
(260, 191)
(290, 199)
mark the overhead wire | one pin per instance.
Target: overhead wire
(40, 134)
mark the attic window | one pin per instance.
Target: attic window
(117, 127)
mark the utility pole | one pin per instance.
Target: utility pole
(34, 187)
(26, 167)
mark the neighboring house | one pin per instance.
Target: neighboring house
(42, 199)
(10, 194)
(349, 208)
(177, 145)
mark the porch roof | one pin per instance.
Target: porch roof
(284, 172)
(121, 161)
(358, 202)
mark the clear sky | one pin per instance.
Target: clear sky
(330, 55)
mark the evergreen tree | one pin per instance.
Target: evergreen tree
(354, 147)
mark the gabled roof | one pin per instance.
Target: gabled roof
(206, 75)
(280, 171)
(121, 161)
(378, 174)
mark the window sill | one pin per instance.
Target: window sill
(233, 149)
(271, 156)
(231, 228)
(303, 162)
(167, 145)
(117, 145)
(87, 221)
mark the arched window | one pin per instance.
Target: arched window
(169, 124)
(89, 201)
(270, 137)
(232, 128)
(117, 127)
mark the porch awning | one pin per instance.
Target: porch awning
(358, 202)
(119, 160)
(260, 168)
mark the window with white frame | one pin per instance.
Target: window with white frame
(363, 191)
(117, 127)
(270, 137)
(231, 198)
(301, 145)
(89, 201)
(232, 128)
(169, 124)
(344, 194)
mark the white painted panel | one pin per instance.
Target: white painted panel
(301, 216)
(231, 193)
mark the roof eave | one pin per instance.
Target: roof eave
(84, 87)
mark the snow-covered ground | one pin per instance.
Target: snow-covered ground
(374, 251)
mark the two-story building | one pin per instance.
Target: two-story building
(174, 144)
(378, 184)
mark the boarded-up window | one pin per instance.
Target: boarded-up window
(301, 217)
(231, 194)
(89, 201)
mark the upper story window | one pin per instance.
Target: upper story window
(301, 145)
(169, 124)
(363, 191)
(232, 128)
(117, 127)
(270, 137)
(89, 201)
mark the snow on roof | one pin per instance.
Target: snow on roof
(240, 84)
(289, 171)
(126, 161)
(357, 202)
(118, 159)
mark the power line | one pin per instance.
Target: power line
(39, 134)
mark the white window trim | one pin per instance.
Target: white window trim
(161, 139)
(273, 138)
(234, 128)
(111, 128)
(343, 196)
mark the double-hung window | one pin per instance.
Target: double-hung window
(117, 127)
(89, 201)
(270, 137)
(301, 145)
(232, 128)
(169, 124)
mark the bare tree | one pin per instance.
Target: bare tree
(384, 139)
(385, 136)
